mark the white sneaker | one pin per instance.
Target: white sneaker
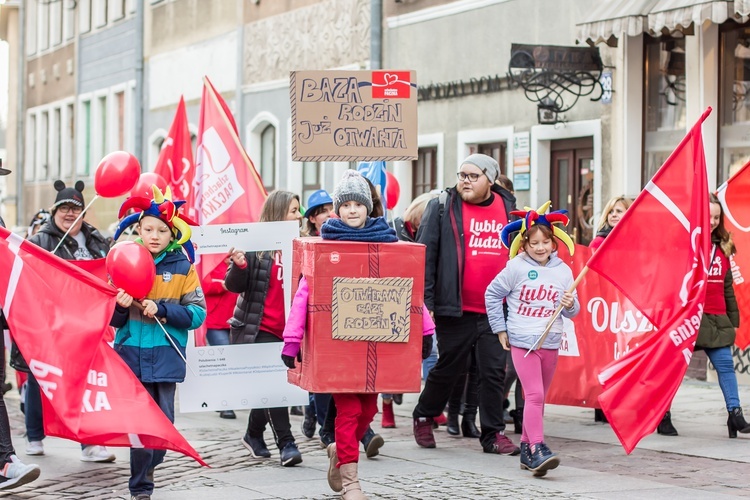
(15, 473)
(96, 453)
(34, 448)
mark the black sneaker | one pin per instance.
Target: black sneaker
(308, 426)
(256, 446)
(228, 414)
(290, 455)
(372, 443)
(398, 398)
(326, 438)
(296, 410)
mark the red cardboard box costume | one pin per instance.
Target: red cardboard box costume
(341, 304)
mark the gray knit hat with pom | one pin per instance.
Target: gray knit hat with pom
(352, 187)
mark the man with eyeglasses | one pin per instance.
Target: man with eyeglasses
(461, 231)
(83, 242)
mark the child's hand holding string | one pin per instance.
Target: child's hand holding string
(124, 299)
(149, 308)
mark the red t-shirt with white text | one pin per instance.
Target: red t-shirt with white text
(484, 254)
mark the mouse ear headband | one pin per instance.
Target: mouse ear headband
(162, 207)
(530, 217)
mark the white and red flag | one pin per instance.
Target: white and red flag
(735, 200)
(228, 189)
(657, 257)
(58, 316)
(176, 159)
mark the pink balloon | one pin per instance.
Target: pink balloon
(145, 181)
(392, 191)
(131, 267)
(116, 174)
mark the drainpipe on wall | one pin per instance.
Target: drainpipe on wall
(20, 114)
(376, 33)
(138, 139)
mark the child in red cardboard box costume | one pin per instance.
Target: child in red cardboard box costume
(356, 397)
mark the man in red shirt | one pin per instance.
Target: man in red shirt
(461, 230)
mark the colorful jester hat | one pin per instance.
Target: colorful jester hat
(530, 217)
(162, 207)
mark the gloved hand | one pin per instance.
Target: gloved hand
(426, 346)
(289, 360)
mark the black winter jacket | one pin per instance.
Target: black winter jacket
(50, 235)
(252, 285)
(444, 255)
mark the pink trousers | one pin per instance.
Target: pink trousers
(535, 373)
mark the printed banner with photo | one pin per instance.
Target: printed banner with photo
(237, 377)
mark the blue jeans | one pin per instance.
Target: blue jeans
(215, 336)
(430, 360)
(721, 358)
(142, 460)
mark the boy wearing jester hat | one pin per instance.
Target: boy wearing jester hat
(534, 283)
(176, 300)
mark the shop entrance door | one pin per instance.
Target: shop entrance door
(572, 185)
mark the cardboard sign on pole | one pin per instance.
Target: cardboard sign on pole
(354, 115)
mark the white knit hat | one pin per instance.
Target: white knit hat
(352, 187)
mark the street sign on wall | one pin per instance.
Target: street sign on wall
(354, 115)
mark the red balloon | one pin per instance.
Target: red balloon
(116, 174)
(392, 191)
(131, 267)
(145, 181)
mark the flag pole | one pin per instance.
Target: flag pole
(572, 288)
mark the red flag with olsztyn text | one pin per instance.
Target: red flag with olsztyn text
(657, 256)
(735, 200)
(176, 159)
(58, 316)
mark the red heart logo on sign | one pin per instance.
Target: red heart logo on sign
(390, 79)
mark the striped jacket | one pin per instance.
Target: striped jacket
(141, 342)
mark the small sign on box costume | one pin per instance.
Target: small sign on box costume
(364, 316)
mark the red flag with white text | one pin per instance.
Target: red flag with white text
(176, 159)
(657, 257)
(228, 189)
(63, 344)
(735, 201)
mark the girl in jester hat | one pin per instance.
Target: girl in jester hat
(176, 300)
(533, 283)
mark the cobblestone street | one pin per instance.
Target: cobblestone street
(701, 463)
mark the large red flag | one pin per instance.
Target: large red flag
(58, 315)
(735, 200)
(657, 257)
(176, 159)
(228, 189)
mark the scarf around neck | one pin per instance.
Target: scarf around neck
(376, 230)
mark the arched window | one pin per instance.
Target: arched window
(268, 157)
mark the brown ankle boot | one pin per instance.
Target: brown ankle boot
(350, 482)
(334, 475)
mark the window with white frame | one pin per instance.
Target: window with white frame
(84, 16)
(56, 23)
(119, 121)
(43, 143)
(31, 28)
(101, 146)
(131, 6)
(99, 13)
(85, 155)
(43, 25)
(116, 10)
(268, 157)
(30, 169)
(68, 134)
(55, 144)
(68, 23)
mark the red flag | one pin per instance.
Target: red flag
(657, 257)
(735, 201)
(63, 342)
(116, 411)
(176, 159)
(228, 189)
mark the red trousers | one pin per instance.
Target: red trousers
(354, 413)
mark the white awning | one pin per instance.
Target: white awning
(742, 9)
(613, 18)
(671, 15)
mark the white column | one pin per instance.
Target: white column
(632, 113)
